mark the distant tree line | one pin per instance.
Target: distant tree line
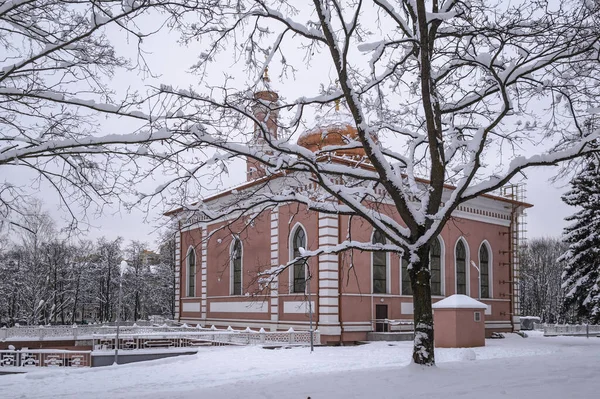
(48, 278)
(560, 278)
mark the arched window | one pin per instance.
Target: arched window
(484, 271)
(435, 265)
(191, 272)
(406, 287)
(461, 268)
(379, 265)
(236, 267)
(299, 241)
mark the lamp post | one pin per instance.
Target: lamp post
(122, 268)
(478, 279)
(310, 311)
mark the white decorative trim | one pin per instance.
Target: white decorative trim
(177, 273)
(204, 268)
(488, 310)
(274, 310)
(190, 307)
(328, 274)
(298, 307)
(239, 307)
(407, 308)
(329, 330)
(331, 301)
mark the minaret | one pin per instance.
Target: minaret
(265, 111)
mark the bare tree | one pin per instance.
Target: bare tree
(55, 94)
(540, 279)
(448, 100)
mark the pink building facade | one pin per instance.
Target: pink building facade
(217, 278)
(219, 263)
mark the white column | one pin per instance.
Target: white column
(204, 266)
(329, 319)
(274, 302)
(177, 273)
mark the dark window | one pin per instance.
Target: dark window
(435, 265)
(484, 270)
(191, 263)
(236, 262)
(461, 268)
(299, 241)
(379, 265)
(406, 287)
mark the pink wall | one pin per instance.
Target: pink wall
(457, 328)
(358, 303)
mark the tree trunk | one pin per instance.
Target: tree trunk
(423, 352)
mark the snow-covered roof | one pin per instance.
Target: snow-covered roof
(459, 301)
(329, 121)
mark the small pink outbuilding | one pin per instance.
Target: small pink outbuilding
(459, 322)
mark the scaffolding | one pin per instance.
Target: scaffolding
(517, 239)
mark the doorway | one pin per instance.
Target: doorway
(381, 315)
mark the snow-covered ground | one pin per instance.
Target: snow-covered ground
(535, 367)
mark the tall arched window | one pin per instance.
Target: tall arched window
(191, 272)
(435, 265)
(299, 241)
(236, 267)
(461, 268)
(406, 287)
(484, 271)
(379, 265)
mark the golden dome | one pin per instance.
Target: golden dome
(337, 129)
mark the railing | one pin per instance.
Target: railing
(553, 330)
(44, 358)
(75, 331)
(180, 339)
(387, 325)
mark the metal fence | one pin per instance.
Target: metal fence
(75, 331)
(179, 339)
(44, 358)
(553, 330)
(135, 336)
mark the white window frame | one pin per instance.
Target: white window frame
(467, 266)
(292, 233)
(388, 274)
(190, 250)
(231, 270)
(442, 267)
(490, 268)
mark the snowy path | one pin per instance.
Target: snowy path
(535, 367)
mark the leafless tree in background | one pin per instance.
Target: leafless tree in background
(540, 279)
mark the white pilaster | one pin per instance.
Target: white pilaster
(177, 273)
(274, 305)
(204, 270)
(329, 319)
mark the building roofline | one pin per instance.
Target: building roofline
(254, 182)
